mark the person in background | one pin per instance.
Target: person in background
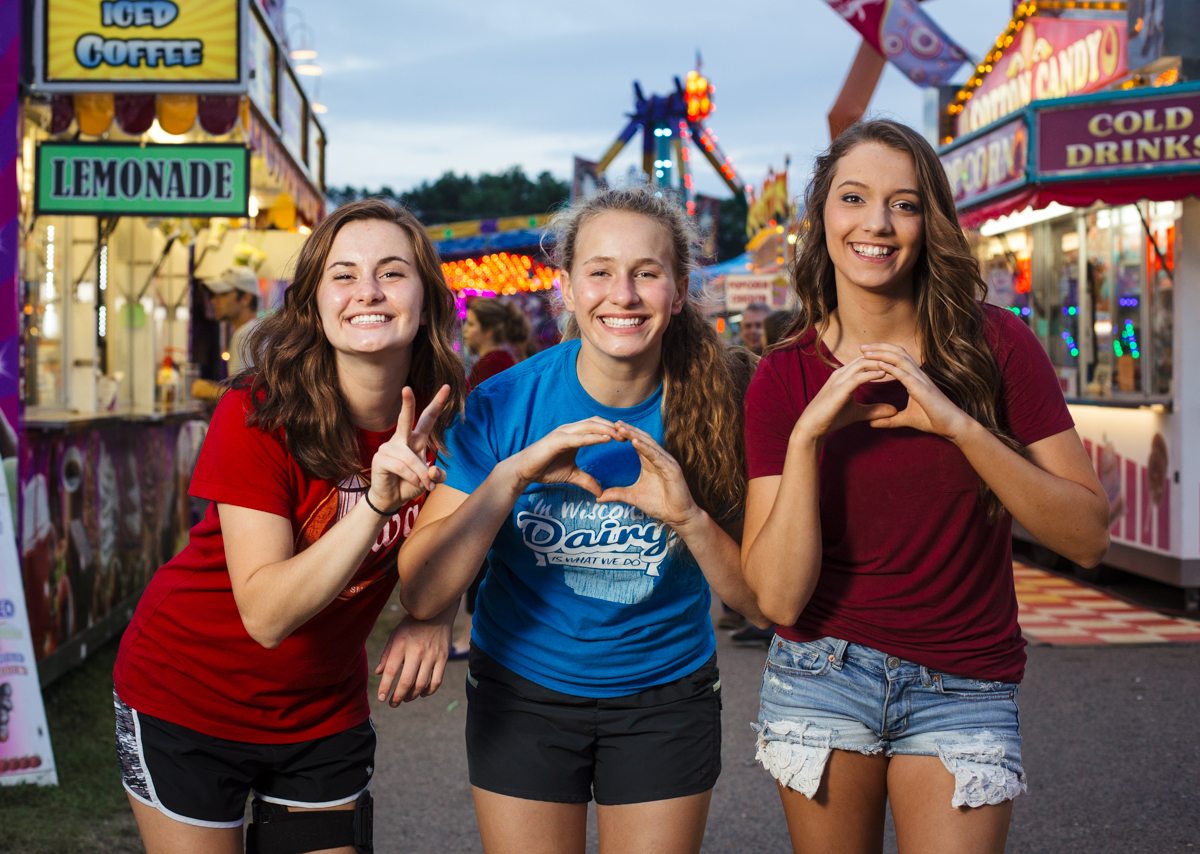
(496, 331)
(753, 317)
(890, 444)
(776, 326)
(742, 363)
(234, 296)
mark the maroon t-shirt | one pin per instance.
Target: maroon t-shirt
(910, 564)
(490, 364)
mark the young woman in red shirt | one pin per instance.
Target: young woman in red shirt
(244, 671)
(890, 443)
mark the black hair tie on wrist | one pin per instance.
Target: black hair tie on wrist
(387, 514)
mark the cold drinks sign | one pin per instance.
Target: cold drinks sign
(107, 179)
(1124, 136)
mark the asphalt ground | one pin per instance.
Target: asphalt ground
(1112, 751)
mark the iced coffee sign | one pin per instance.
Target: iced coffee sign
(1114, 137)
(138, 45)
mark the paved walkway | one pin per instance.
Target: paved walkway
(1061, 612)
(1112, 749)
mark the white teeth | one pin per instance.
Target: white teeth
(368, 318)
(622, 322)
(872, 251)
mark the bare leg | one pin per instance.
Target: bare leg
(163, 835)
(673, 826)
(846, 815)
(519, 826)
(921, 788)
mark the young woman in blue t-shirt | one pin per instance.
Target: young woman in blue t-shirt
(599, 478)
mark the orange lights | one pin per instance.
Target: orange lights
(499, 274)
(698, 92)
(1020, 13)
(1168, 78)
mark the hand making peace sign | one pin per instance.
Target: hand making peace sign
(399, 471)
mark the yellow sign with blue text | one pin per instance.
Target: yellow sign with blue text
(140, 45)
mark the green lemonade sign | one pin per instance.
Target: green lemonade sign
(130, 179)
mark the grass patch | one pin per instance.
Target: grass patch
(87, 811)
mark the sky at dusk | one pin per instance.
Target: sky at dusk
(417, 89)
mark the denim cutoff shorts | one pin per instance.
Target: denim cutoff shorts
(832, 695)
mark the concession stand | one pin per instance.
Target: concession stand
(160, 143)
(759, 275)
(1077, 180)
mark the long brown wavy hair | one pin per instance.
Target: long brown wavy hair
(702, 400)
(294, 382)
(947, 286)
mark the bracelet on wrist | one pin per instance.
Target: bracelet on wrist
(387, 514)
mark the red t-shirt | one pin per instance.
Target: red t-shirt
(489, 365)
(910, 564)
(187, 658)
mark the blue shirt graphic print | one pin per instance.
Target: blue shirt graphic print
(590, 599)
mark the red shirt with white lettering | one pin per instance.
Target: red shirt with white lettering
(187, 658)
(910, 564)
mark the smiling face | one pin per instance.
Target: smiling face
(370, 296)
(622, 286)
(874, 227)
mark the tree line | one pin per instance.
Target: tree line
(456, 198)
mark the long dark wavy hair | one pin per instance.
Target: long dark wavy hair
(294, 382)
(947, 286)
(702, 398)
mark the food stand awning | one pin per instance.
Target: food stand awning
(1114, 147)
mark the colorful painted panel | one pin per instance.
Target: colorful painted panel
(101, 510)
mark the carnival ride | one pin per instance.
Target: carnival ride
(668, 123)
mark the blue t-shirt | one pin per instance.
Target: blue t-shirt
(593, 600)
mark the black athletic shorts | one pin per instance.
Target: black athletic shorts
(527, 741)
(204, 781)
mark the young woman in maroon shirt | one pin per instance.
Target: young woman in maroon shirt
(888, 441)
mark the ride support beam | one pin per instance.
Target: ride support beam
(716, 158)
(855, 97)
(615, 149)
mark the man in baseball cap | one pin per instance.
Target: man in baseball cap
(234, 296)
